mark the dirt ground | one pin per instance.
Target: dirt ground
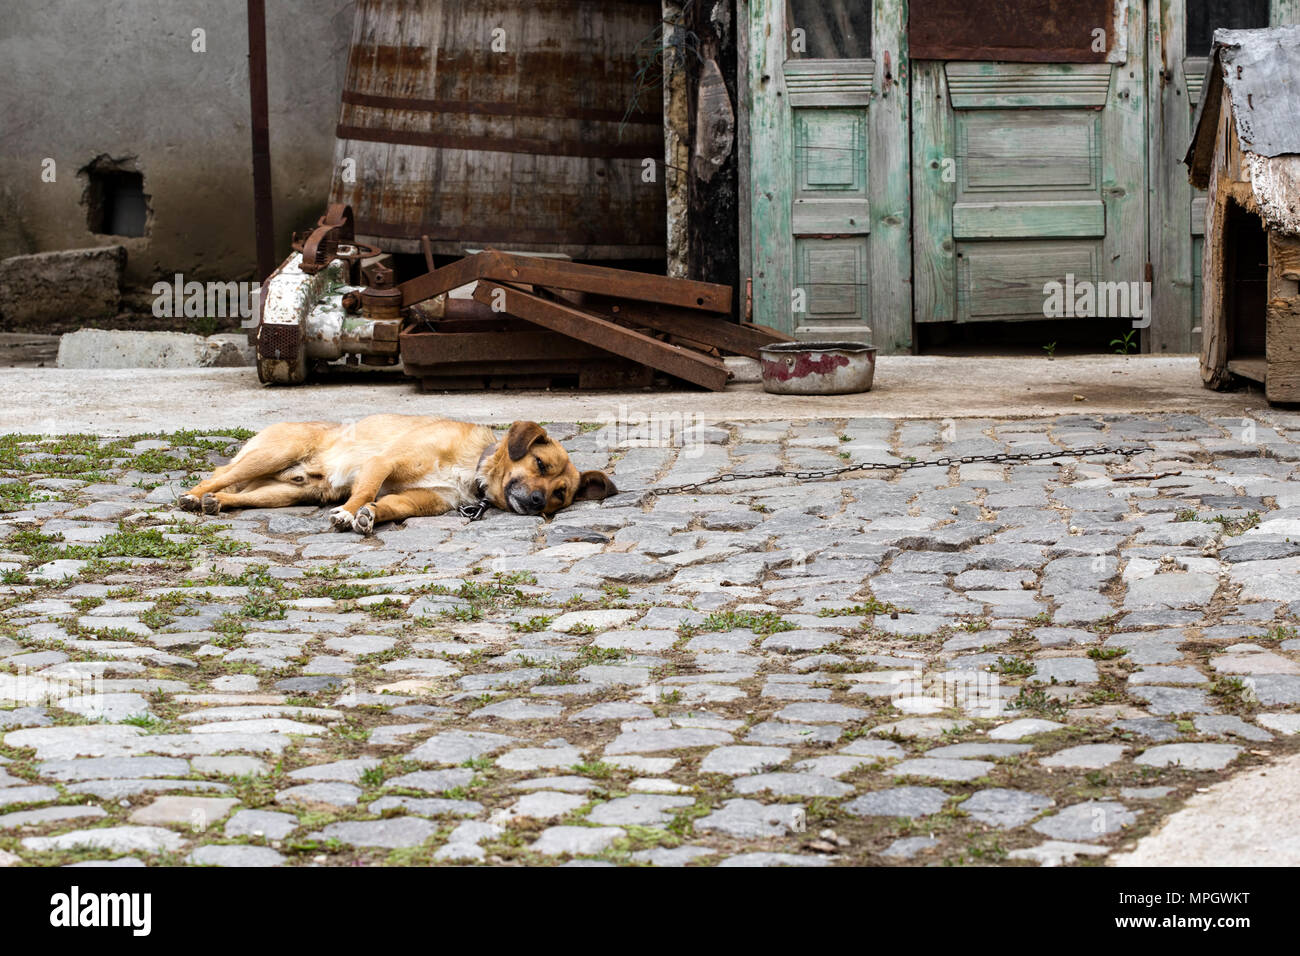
(122, 402)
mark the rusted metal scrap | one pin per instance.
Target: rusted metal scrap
(333, 238)
(674, 360)
(576, 277)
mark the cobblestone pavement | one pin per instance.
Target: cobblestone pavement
(1016, 664)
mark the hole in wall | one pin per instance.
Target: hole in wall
(115, 200)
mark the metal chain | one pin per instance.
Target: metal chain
(944, 462)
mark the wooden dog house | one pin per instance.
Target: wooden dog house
(1246, 152)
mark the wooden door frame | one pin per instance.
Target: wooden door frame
(1169, 194)
(771, 146)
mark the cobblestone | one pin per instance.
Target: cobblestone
(674, 681)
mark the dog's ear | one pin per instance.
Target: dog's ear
(594, 486)
(522, 437)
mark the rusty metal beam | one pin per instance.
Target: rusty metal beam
(441, 281)
(608, 372)
(263, 214)
(557, 273)
(602, 280)
(445, 350)
(673, 360)
(714, 332)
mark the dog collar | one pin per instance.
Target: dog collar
(476, 510)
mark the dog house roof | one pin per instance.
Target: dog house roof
(1261, 69)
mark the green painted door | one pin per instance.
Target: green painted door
(1180, 33)
(829, 190)
(1028, 174)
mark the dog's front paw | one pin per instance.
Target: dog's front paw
(189, 503)
(365, 523)
(210, 505)
(342, 519)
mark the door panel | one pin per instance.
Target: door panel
(834, 275)
(829, 169)
(1044, 179)
(1029, 220)
(1004, 280)
(1048, 160)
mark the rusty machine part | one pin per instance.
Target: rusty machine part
(315, 310)
(381, 301)
(530, 320)
(333, 238)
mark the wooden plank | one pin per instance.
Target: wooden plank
(1255, 369)
(670, 359)
(1282, 320)
(1200, 203)
(1215, 339)
(1124, 161)
(1047, 219)
(771, 160)
(889, 138)
(1172, 213)
(745, 265)
(1284, 12)
(934, 169)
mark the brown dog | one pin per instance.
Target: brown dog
(393, 467)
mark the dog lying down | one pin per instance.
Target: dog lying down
(393, 467)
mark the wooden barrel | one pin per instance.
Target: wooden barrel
(515, 124)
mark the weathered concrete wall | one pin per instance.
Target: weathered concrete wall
(120, 78)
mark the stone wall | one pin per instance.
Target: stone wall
(119, 81)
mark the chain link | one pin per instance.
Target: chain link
(944, 462)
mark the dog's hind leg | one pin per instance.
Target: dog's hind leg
(365, 488)
(413, 503)
(275, 494)
(268, 453)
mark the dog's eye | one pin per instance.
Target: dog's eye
(541, 466)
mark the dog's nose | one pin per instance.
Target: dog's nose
(537, 499)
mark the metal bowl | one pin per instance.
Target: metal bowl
(818, 368)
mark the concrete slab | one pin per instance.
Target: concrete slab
(88, 349)
(43, 288)
(1252, 819)
(116, 402)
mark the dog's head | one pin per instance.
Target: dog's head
(530, 474)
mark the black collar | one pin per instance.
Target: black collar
(476, 510)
